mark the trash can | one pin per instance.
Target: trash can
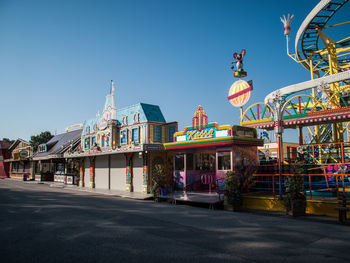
(24, 177)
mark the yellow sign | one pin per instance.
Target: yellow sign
(197, 135)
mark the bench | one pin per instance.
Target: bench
(344, 206)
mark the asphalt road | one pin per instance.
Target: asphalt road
(43, 224)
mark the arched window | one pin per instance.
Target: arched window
(136, 117)
(125, 120)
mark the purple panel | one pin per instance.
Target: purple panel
(179, 180)
(198, 181)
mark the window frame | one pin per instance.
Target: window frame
(222, 156)
(122, 138)
(156, 133)
(171, 132)
(137, 129)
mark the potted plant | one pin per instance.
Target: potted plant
(233, 193)
(294, 199)
(236, 184)
(159, 179)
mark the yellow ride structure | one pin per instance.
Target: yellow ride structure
(328, 61)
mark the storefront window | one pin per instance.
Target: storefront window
(205, 161)
(37, 167)
(87, 143)
(189, 161)
(158, 133)
(224, 161)
(27, 167)
(123, 137)
(171, 133)
(179, 162)
(60, 168)
(15, 166)
(135, 135)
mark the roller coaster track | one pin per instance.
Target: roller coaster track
(327, 59)
(307, 41)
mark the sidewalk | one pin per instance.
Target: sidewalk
(124, 194)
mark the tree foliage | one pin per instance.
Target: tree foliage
(8, 140)
(159, 178)
(294, 187)
(36, 140)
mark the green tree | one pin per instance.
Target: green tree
(8, 140)
(36, 140)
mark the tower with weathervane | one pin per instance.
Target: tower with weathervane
(100, 132)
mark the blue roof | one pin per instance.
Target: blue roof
(147, 112)
(90, 122)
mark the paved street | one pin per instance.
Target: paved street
(43, 224)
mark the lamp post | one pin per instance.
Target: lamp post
(277, 107)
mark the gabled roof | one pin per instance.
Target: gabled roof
(148, 112)
(152, 112)
(18, 141)
(58, 144)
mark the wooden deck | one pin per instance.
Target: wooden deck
(194, 197)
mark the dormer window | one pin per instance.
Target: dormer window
(136, 117)
(87, 129)
(42, 148)
(125, 120)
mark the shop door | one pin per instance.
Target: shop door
(101, 172)
(137, 173)
(118, 172)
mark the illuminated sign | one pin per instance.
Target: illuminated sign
(198, 135)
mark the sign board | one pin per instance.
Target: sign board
(207, 133)
(203, 134)
(23, 154)
(153, 147)
(247, 132)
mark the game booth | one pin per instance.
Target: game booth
(205, 152)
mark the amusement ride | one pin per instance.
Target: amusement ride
(319, 109)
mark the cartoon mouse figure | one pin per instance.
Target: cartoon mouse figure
(239, 62)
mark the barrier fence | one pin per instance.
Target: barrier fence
(319, 180)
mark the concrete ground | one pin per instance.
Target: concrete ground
(43, 224)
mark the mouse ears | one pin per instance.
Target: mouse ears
(242, 54)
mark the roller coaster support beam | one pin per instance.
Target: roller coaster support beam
(333, 69)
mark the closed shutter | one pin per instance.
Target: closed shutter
(101, 172)
(137, 173)
(118, 172)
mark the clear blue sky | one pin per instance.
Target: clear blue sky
(57, 57)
